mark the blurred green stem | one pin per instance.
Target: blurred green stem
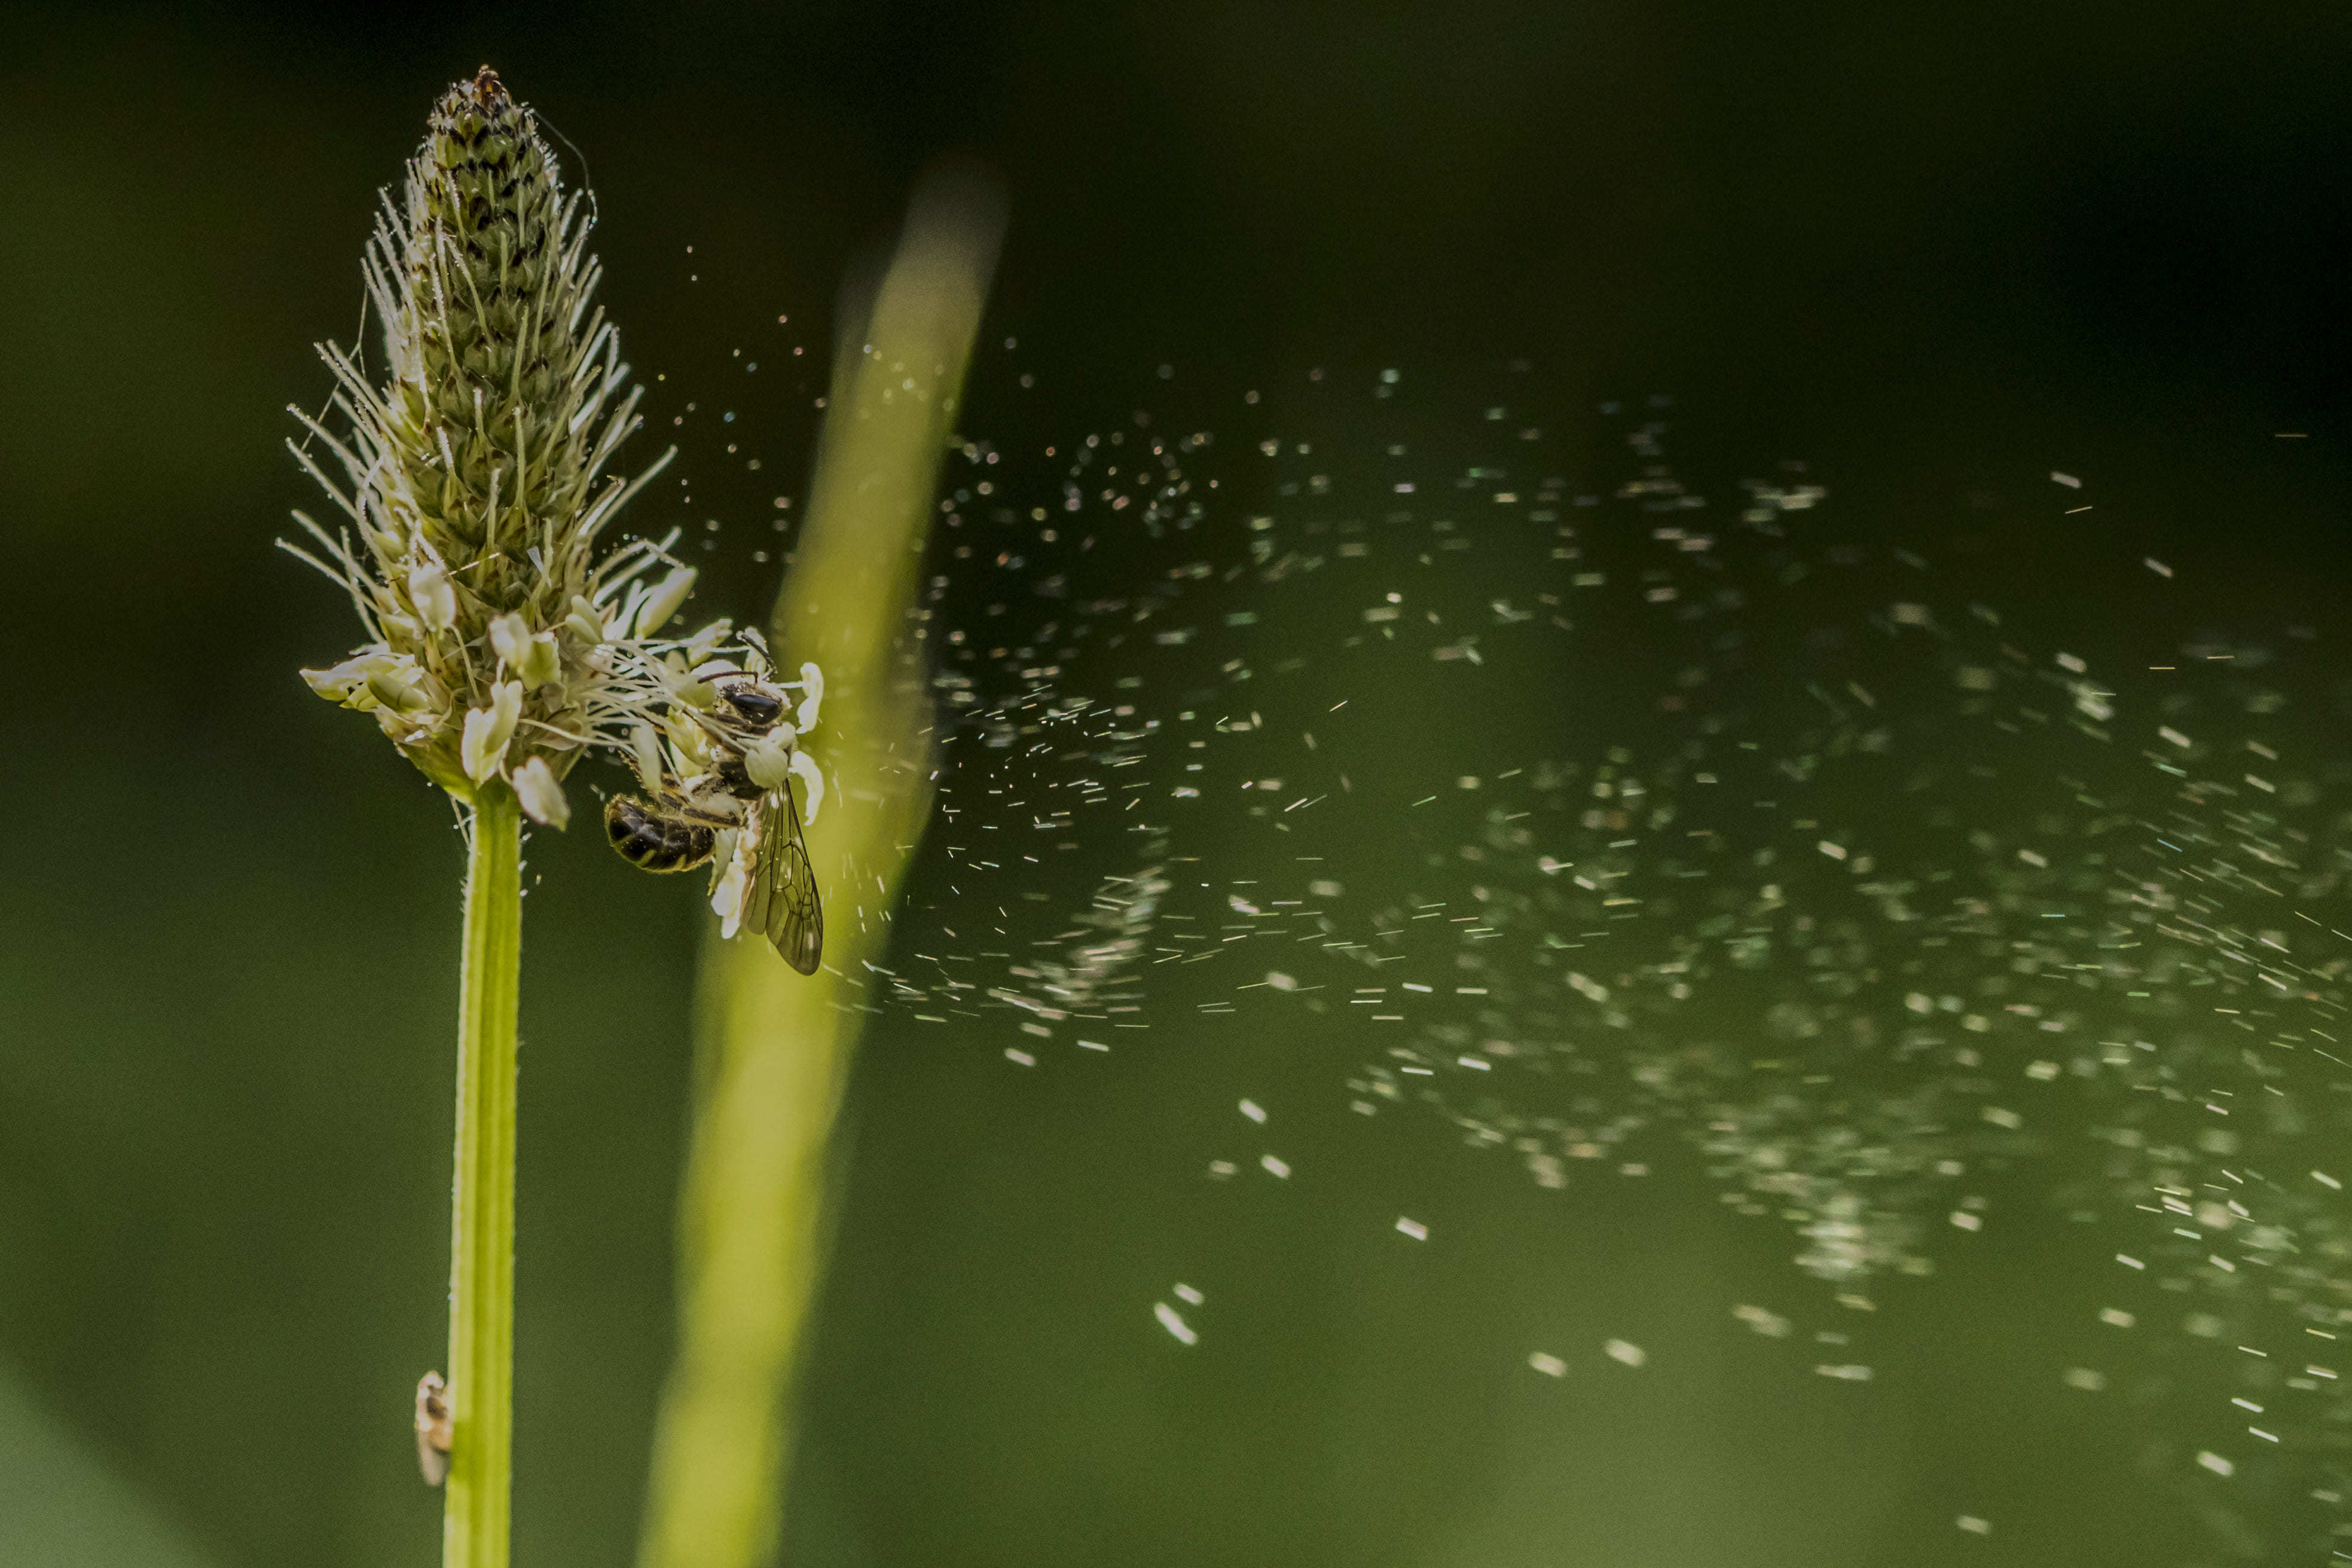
(481, 1232)
(774, 1049)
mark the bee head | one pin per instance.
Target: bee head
(752, 702)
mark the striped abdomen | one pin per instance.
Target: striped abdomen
(651, 842)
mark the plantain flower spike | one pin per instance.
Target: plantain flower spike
(503, 641)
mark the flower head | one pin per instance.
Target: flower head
(503, 641)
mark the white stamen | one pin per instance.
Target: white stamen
(727, 899)
(812, 683)
(542, 796)
(645, 749)
(769, 760)
(437, 601)
(510, 639)
(663, 600)
(483, 746)
(813, 782)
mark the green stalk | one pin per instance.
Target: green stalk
(503, 641)
(482, 1211)
(773, 1048)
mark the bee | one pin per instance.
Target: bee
(688, 819)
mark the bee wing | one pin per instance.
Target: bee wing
(781, 899)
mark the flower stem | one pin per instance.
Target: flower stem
(482, 1225)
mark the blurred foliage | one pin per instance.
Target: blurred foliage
(62, 1504)
(1932, 251)
(775, 1047)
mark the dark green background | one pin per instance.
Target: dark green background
(1937, 251)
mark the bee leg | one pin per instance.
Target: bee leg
(692, 844)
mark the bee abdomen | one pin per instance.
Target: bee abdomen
(653, 842)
